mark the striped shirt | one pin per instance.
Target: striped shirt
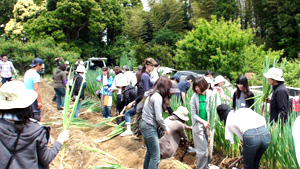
(5, 68)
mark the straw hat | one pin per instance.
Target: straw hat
(182, 113)
(174, 87)
(14, 94)
(150, 61)
(81, 69)
(275, 73)
(219, 79)
(120, 80)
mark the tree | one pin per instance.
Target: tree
(221, 46)
(6, 7)
(22, 12)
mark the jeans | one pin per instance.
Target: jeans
(152, 156)
(129, 113)
(77, 109)
(106, 111)
(255, 143)
(36, 112)
(4, 80)
(60, 96)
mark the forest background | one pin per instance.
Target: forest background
(230, 37)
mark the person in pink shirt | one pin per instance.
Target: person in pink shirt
(6, 67)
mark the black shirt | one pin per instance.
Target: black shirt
(279, 102)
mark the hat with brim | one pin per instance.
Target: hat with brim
(176, 77)
(36, 61)
(275, 73)
(208, 80)
(219, 79)
(67, 63)
(223, 110)
(81, 69)
(182, 113)
(150, 61)
(174, 88)
(14, 95)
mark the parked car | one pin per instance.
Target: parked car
(183, 74)
(292, 90)
(93, 63)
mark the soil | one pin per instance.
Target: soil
(128, 151)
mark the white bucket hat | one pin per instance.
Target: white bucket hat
(219, 79)
(67, 63)
(80, 68)
(14, 94)
(121, 80)
(182, 113)
(274, 73)
(208, 80)
(174, 88)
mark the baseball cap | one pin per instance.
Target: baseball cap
(36, 61)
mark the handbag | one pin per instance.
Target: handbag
(107, 101)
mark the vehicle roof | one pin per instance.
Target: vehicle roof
(97, 59)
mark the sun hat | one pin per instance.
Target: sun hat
(174, 87)
(67, 63)
(223, 110)
(36, 61)
(182, 113)
(208, 80)
(274, 73)
(219, 79)
(121, 80)
(176, 77)
(80, 68)
(14, 94)
(150, 61)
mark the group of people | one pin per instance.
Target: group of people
(147, 95)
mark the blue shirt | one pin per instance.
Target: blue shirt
(147, 84)
(31, 77)
(110, 81)
(184, 86)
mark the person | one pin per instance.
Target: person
(32, 80)
(209, 74)
(23, 140)
(130, 76)
(6, 67)
(296, 103)
(169, 143)
(107, 82)
(219, 82)
(78, 80)
(175, 78)
(60, 82)
(242, 97)
(296, 137)
(279, 104)
(184, 86)
(147, 69)
(59, 61)
(77, 62)
(250, 127)
(67, 67)
(200, 111)
(156, 102)
(154, 74)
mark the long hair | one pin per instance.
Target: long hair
(138, 75)
(105, 69)
(243, 81)
(163, 86)
(23, 114)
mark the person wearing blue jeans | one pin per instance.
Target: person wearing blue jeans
(128, 115)
(250, 127)
(106, 111)
(77, 109)
(60, 96)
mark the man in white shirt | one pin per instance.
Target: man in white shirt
(250, 127)
(130, 76)
(6, 67)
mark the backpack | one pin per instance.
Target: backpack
(129, 94)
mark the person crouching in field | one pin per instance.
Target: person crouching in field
(156, 101)
(176, 123)
(200, 108)
(23, 141)
(107, 82)
(250, 127)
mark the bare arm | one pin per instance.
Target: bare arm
(39, 99)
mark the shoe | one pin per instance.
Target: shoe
(126, 133)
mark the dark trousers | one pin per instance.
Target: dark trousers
(37, 113)
(256, 142)
(4, 80)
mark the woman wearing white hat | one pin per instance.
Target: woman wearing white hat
(79, 78)
(279, 104)
(23, 141)
(219, 82)
(169, 143)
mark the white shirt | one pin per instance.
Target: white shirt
(130, 77)
(240, 121)
(296, 136)
(154, 75)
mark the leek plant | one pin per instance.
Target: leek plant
(87, 148)
(110, 166)
(181, 165)
(117, 130)
(91, 83)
